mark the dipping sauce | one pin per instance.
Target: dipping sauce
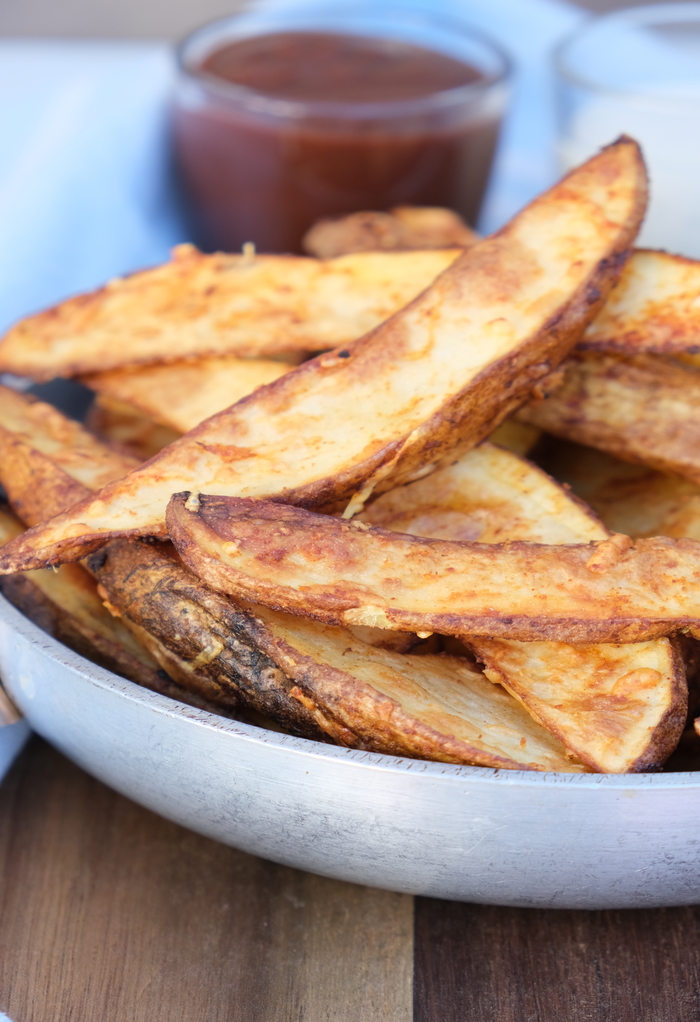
(288, 127)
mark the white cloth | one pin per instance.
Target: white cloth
(85, 189)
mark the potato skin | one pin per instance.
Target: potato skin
(213, 640)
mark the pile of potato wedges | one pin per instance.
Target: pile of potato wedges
(301, 495)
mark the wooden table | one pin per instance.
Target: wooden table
(110, 914)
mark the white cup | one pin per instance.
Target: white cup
(637, 72)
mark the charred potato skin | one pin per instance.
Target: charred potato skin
(213, 639)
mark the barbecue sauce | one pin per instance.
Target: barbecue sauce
(252, 177)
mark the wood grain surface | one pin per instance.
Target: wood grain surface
(478, 963)
(110, 914)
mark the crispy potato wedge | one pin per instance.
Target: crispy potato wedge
(489, 495)
(654, 308)
(183, 394)
(49, 461)
(622, 709)
(351, 573)
(65, 441)
(640, 408)
(220, 304)
(405, 227)
(444, 371)
(629, 498)
(619, 708)
(65, 604)
(321, 681)
(125, 429)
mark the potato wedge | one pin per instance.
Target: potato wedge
(640, 408)
(196, 305)
(321, 681)
(489, 495)
(444, 371)
(654, 308)
(351, 573)
(622, 709)
(124, 428)
(66, 605)
(405, 227)
(65, 441)
(619, 708)
(49, 461)
(629, 498)
(183, 394)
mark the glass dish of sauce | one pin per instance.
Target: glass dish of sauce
(278, 124)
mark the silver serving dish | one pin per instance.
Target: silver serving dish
(467, 833)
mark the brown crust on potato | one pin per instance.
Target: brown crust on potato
(641, 408)
(351, 573)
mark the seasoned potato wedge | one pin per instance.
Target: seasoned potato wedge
(124, 428)
(405, 227)
(654, 308)
(220, 305)
(352, 573)
(489, 495)
(640, 408)
(629, 498)
(65, 441)
(321, 681)
(619, 708)
(443, 371)
(66, 604)
(183, 394)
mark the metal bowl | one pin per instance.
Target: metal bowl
(466, 833)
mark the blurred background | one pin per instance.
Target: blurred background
(154, 19)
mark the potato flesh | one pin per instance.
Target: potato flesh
(434, 705)
(488, 496)
(183, 394)
(69, 446)
(639, 408)
(443, 371)
(619, 708)
(654, 308)
(629, 498)
(217, 305)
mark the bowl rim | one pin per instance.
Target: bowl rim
(101, 678)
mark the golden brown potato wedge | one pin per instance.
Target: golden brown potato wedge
(321, 681)
(444, 371)
(641, 408)
(489, 495)
(220, 305)
(619, 708)
(49, 461)
(183, 394)
(405, 227)
(66, 605)
(629, 498)
(125, 429)
(351, 573)
(65, 441)
(654, 308)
